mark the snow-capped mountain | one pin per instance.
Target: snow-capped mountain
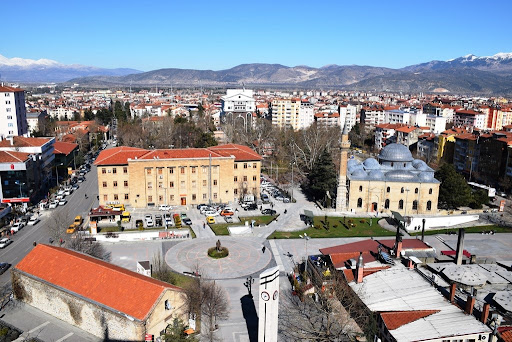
(47, 70)
(500, 63)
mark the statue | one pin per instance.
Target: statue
(217, 245)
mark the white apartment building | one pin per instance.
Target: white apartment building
(35, 119)
(61, 113)
(348, 115)
(397, 116)
(372, 116)
(469, 118)
(13, 115)
(292, 113)
(435, 123)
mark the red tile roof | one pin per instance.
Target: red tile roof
(119, 155)
(505, 333)
(6, 89)
(350, 273)
(120, 289)
(19, 141)
(407, 129)
(180, 153)
(395, 319)
(60, 147)
(241, 153)
(13, 157)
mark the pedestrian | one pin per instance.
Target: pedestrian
(204, 225)
(236, 210)
(263, 249)
(60, 241)
(272, 205)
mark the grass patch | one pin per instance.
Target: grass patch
(109, 229)
(182, 280)
(335, 227)
(214, 253)
(222, 228)
(476, 229)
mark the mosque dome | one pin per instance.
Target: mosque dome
(371, 163)
(426, 176)
(400, 175)
(395, 153)
(353, 165)
(376, 174)
(419, 164)
(359, 173)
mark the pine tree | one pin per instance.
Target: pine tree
(454, 192)
(322, 177)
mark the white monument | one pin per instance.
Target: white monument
(268, 305)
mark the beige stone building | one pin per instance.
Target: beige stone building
(142, 178)
(105, 300)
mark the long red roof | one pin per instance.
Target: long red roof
(118, 288)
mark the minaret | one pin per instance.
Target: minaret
(341, 197)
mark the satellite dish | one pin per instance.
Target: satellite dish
(168, 305)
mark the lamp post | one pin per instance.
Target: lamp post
(248, 283)
(57, 172)
(306, 238)
(406, 200)
(20, 184)
(292, 181)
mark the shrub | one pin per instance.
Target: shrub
(362, 221)
(213, 253)
(350, 221)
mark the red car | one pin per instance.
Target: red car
(227, 213)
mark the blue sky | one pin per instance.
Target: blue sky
(222, 34)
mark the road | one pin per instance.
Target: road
(23, 241)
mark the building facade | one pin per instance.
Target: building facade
(292, 113)
(145, 178)
(13, 114)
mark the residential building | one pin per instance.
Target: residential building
(13, 115)
(326, 119)
(469, 118)
(348, 116)
(385, 134)
(407, 135)
(142, 178)
(397, 116)
(292, 113)
(105, 300)
(373, 116)
(65, 155)
(426, 147)
(35, 120)
(20, 177)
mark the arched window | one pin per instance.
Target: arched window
(359, 202)
(404, 164)
(388, 189)
(416, 190)
(414, 205)
(402, 190)
(392, 164)
(360, 188)
(386, 204)
(430, 191)
(401, 204)
(429, 205)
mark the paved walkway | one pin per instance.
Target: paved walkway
(245, 258)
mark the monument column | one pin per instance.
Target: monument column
(342, 192)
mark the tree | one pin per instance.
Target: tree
(160, 270)
(454, 192)
(88, 115)
(206, 139)
(57, 226)
(80, 244)
(323, 177)
(175, 332)
(214, 306)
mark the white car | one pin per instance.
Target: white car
(164, 207)
(63, 202)
(5, 242)
(33, 221)
(68, 192)
(211, 213)
(17, 226)
(53, 204)
(149, 220)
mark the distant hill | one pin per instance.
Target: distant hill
(46, 70)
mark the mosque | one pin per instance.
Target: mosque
(394, 182)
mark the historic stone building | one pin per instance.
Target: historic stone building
(141, 178)
(103, 299)
(394, 182)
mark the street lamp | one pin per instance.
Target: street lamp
(248, 283)
(306, 238)
(57, 172)
(20, 184)
(406, 200)
(292, 182)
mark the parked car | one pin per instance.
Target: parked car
(4, 267)
(271, 212)
(68, 192)
(211, 213)
(75, 187)
(53, 204)
(158, 220)
(5, 242)
(149, 220)
(252, 206)
(17, 227)
(187, 221)
(164, 207)
(63, 201)
(210, 220)
(228, 219)
(226, 213)
(33, 221)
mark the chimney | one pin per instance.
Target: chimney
(359, 269)
(485, 313)
(398, 246)
(470, 303)
(460, 247)
(410, 264)
(453, 288)
(11, 139)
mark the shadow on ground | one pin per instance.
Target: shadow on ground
(251, 317)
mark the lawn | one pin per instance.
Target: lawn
(337, 227)
(182, 280)
(476, 229)
(222, 228)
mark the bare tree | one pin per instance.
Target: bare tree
(214, 306)
(57, 226)
(80, 244)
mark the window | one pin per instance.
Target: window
(388, 189)
(116, 197)
(9, 117)
(125, 170)
(193, 169)
(236, 178)
(150, 185)
(236, 166)
(416, 190)
(414, 205)
(171, 170)
(204, 196)
(254, 190)
(360, 188)
(125, 184)
(150, 198)
(386, 204)
(254, 178)
(214, 182)
(193, 197)
(254, 165)
(7, 102)
(359, 202)
(105, 198)
(125, 196)
(115, 184)
(171, 197)
(104, 184)
(245, 165)
(194, 184)
(245, 178)
(103, 170)
(160, 198)
(160, 170)
(205, 169)
(182, 184)
(430, 191)
(429, 205)
(182, 170)
(8, 110)
(402, 190)
(148, 171)
(204, 182)
(401, 204)
(214, 195)
(171, 184)
(114, 170)
(160, 185)
(236, 191)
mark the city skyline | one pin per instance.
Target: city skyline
(216, 36)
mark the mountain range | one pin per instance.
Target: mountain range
(491, 75)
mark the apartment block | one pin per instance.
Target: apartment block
(13, 115)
